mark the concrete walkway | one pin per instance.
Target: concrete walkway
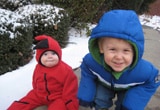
(152, 53)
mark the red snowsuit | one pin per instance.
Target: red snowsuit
(55, 87)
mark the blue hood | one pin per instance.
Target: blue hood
(123, 24)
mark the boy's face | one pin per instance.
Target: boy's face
(118, 53)
(49, 59)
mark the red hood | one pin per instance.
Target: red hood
(46, 43)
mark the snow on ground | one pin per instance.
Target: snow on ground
(151, 21)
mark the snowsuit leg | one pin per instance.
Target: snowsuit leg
(29, 102)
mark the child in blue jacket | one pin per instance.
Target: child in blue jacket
(114, 65)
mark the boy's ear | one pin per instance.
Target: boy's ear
(101, 50)
(100, 47)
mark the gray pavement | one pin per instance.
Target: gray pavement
(152, 46)
(152, 53)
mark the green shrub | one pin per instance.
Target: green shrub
(46, 19)
(15, 42)
(13, 4)
(90, 11)
(80, 11)
(140, 6)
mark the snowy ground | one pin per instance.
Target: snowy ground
(16, 84)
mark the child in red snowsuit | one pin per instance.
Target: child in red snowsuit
(54, 82)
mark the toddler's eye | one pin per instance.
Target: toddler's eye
(45, 53)
(53, 53)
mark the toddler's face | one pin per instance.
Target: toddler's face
(49, 59)
(118, 53)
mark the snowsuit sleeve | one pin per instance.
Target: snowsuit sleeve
(33, 77)
(70, 89)
(137, 97)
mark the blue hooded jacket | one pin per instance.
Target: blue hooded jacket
(140, 79)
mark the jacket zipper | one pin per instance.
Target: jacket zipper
(46, 86)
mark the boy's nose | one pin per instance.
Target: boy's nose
(119, 55)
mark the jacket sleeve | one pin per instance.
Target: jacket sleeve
(87, 86)
(137, 97)
(70, 90)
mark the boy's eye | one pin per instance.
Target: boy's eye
(112, 49)
(127, 50)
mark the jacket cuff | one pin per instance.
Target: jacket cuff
(86, 104)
